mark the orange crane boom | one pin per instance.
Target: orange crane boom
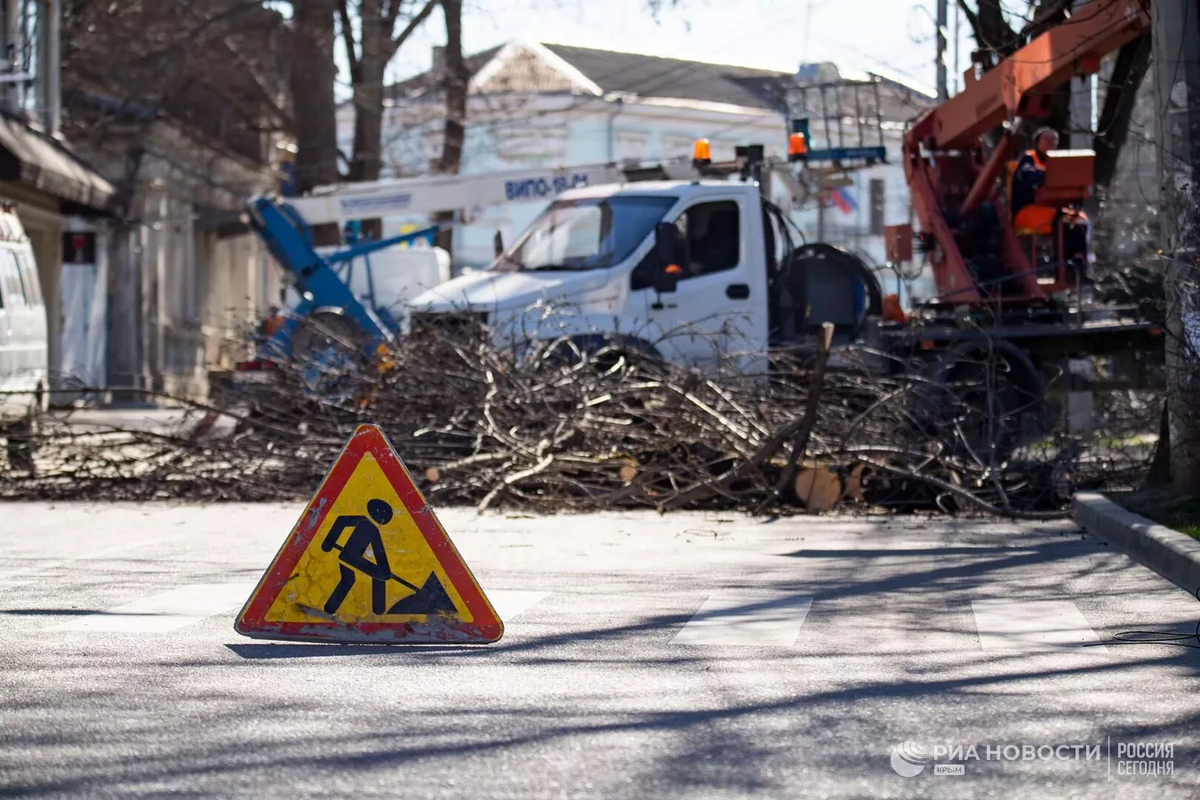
(949, 171)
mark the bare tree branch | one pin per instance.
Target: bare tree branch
(400, 38)
(348, 36)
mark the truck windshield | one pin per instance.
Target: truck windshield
(585, 234)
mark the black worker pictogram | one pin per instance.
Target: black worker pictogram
(365, 535)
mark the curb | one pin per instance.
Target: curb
(1170, 553)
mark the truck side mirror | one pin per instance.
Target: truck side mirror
(498, 244)
(666, 278)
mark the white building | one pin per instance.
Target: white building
(535, 104)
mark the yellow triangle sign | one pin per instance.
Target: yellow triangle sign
(369, 562)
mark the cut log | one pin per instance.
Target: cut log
(818, 488)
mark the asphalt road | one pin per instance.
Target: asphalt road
(644, 656)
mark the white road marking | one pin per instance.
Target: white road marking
(164, 612)
(730, 618)
(888, 623)
(27, 575)
(1032, 625)
(15, 583)
(510, 603)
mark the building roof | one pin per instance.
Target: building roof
(34, 159)
(675, 78)
(426, 82)
(545, 67)
(604, 72)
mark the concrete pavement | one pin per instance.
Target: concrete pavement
(133, 418)
(691, 655)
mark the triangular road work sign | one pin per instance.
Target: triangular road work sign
(369, 562)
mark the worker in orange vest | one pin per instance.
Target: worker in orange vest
(1030, 176)
(1032, 217)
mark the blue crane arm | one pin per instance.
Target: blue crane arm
(289, 238)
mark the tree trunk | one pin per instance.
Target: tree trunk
(1058, 116)
(1112, 128)
(312, 78)
(367, 161)
(456, 80)
(992, 32)
(1176, 35)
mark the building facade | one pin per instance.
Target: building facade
(58, 196)
(174, 276)
(184, 275)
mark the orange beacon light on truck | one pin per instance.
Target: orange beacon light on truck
(797, 147)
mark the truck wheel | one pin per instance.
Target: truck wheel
(990, 400)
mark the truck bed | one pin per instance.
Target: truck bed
(1097, 337)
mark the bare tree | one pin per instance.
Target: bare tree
(382, 27)
(456, 81)
(996, 38)
(213, 66)
(311, 81)
(1176, 90)
(1112, 128)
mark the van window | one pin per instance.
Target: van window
(29, 275)
(10, 279)
(585, 234)
(710, 234)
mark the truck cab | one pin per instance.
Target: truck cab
(693, 272)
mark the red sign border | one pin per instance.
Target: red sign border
(486, 627)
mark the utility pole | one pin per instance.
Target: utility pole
(957, 38)
(943, 19)
(1176, 42)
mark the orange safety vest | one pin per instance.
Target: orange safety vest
(1026, 197)
(1012, 169)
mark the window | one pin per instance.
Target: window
(10, 279)
(877, 198)
(29, 276)
(709, 234)
(585, 234)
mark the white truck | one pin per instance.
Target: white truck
(692, 271)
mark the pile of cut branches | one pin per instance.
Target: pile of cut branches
(552, 426)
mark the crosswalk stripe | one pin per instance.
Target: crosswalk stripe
(14, 583)
(163, 612)
(745, 618)
(169, 611)
(730, 618)
(17, 578)
(1032, 625)
(510, 603)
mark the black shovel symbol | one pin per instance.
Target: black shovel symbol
(430, 598)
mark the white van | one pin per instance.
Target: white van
(24, 347)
